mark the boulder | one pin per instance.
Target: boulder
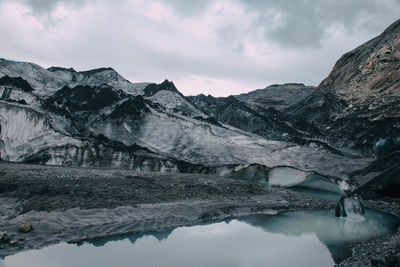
(25, 227)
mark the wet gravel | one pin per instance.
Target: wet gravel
(383, 251)
(67, 203)
(30, 189)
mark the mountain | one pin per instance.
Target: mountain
(261, 117)
(359, 102)
(47, 81)
(98, 118)
(277, 96)
(255, 119)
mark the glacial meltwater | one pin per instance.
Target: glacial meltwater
(302, 238)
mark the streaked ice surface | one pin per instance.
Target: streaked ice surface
(305, 238)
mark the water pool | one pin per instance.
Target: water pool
(303, 238)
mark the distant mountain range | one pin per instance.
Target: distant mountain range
(98, 118)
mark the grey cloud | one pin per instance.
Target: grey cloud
(44, 7)
(305, 23)
(188, 8)
(147, 51)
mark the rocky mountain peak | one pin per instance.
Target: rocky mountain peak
(359, 102)
(53, 69)
(369, 70)
(153, 88)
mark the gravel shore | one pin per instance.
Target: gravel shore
(67, 204)
(75, 204)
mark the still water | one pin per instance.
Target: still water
(304, 238)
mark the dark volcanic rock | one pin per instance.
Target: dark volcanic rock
(82, 98)
(153, 88)
(17, 82)
(359, 102)
(266, 122)
(4, 237)
(229, 110)
(382, 177)
(134, 107)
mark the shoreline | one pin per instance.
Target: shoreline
(71, 204)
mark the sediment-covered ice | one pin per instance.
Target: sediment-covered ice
(164, 123)
(173, 102)
(9, 93)
(289, 177)
(25, 132)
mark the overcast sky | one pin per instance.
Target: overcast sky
(205, 46)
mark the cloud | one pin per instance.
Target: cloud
(305, 23)
(41, 7)
(220, 47)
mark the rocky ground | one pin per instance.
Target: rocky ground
(75, 204)
(383, 251)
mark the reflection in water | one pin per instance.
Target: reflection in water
(307, 238)
(333, 231)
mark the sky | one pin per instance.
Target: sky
(215, 47)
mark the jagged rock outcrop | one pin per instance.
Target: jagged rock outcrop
(359, 102)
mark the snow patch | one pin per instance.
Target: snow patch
(173, 102)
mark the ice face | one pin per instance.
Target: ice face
(27, 135)
(289, 177)
(252, 173)
(25, 132)
(286, 176)
(7, 93)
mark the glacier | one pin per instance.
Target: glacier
(98, 118)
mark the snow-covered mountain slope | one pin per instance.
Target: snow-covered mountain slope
(93, 118)
(47, 81)
(18, 90)
(167, 96)
(199, 142)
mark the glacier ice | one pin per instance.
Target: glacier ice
(9, 93)
(286, 176)
(351, 208)
(163, 123)
(173, 102)
(289, 177)
(253, 173)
